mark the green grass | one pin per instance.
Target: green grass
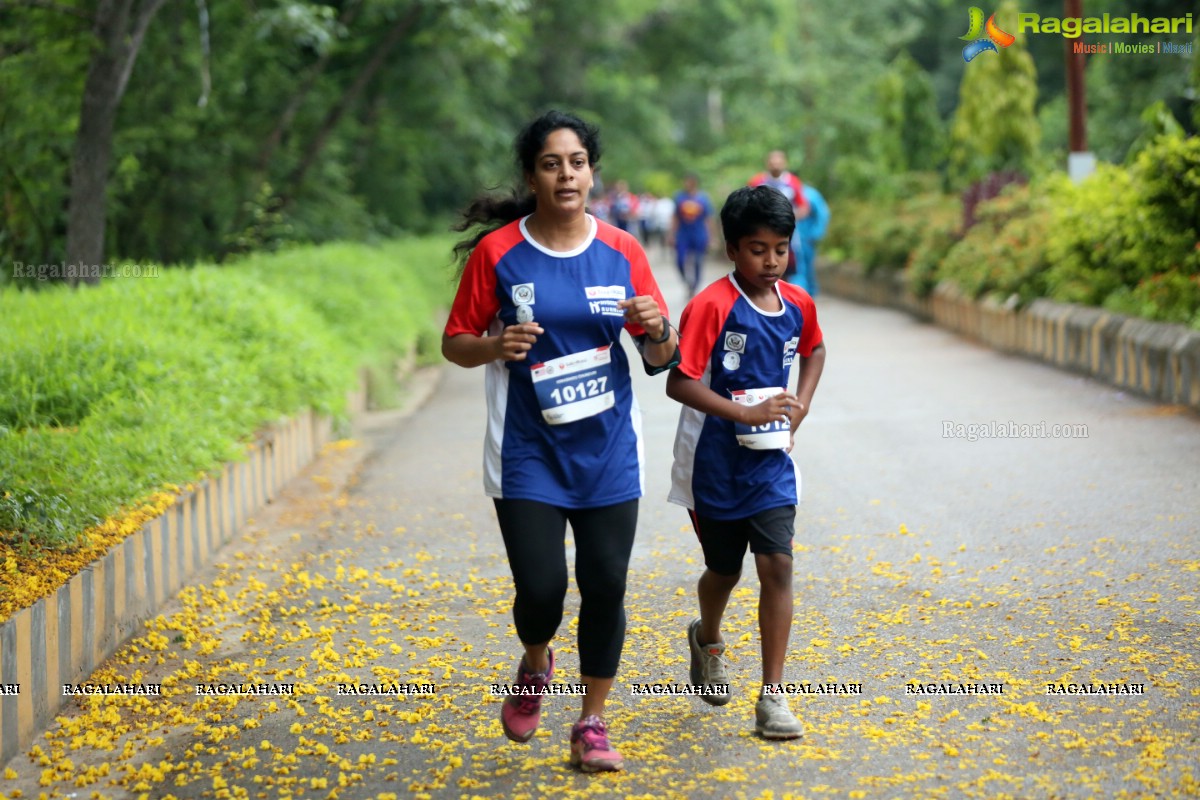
(111, 392)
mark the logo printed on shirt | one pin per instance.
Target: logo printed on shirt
(522, 294)
(789, 350)
(603, 299)
(607, 292)
(735, 342)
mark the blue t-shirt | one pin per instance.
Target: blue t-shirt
(734, 347)
(691, 213)
(564, 427)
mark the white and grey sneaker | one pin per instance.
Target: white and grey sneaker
(708, 667)
(774, 720)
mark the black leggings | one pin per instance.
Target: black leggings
(535, 539)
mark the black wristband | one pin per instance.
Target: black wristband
(666, 334)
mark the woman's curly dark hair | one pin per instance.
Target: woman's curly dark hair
(488, 212)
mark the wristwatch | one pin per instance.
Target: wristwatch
(666, 334)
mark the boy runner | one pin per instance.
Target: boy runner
(733, 471)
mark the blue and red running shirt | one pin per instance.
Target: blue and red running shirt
(731, 345)
(564, 427)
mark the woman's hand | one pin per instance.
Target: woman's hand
(643, 310)
(515, 341)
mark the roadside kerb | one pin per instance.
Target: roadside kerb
(63, 637)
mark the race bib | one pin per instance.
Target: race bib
(775, 435)
(574, 387)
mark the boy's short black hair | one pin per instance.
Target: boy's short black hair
(752, 207)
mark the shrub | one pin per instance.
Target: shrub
(882, 235)
(924, 263)
(114, 392)
(1124, 239)
(1087, 249)
(1168, 297)
(1128, 239)
(1004, 253)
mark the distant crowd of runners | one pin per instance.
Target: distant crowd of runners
(684, 223)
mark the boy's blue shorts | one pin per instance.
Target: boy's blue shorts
(724, 541)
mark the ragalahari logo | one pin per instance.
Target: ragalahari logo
(979, 44)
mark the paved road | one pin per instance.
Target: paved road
(922, 559)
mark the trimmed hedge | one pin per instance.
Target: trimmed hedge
(1125, 239)
(112, 393)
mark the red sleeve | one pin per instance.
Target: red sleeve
(639, 268)
(644, 284)
(810, 334)
(801, 201)
(699, 326)
(475, 303)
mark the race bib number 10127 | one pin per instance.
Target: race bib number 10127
(574, 387)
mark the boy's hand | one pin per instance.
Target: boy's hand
(797, 415)
(643, 310)
(515, 341)
(780, 407)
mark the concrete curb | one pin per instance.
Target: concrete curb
(1157, 360)
(62, 638)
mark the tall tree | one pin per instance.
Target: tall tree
(119, 28)
(41, 77)
(911, 134)
(995, 126)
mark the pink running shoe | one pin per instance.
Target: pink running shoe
(520, 714)
(590, 750)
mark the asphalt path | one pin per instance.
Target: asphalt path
(957, 593)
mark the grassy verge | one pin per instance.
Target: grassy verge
(114, 396)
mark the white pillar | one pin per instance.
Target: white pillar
(1080, 165)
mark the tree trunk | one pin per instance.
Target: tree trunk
(119, 30)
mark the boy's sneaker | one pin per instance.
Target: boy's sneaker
(520, 714)
(708, 666)
(590, 750)
(774, 720)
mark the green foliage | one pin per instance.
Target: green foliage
(1127, 239)
(706, 86)
(940, 234)
(1004, 252)
(1196, 80)
(1088, 253)
(113, 392)
(1168, 172)
(1166, 297)
(1124, 239)
(911, 135)
(995, 127)
(1157, 120)
(1130, 99)
(1121, 227)
(42, 67)
(881, 234)
(906, 143)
